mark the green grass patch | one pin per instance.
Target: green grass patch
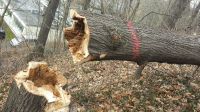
(9, 33)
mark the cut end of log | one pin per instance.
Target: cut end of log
(77, 37)
(40, 80)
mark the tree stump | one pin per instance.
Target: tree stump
(37, 89)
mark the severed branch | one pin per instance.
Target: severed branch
(138, 72)
(104, 37)
(196, 69)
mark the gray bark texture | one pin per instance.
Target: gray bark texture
(20, 100)
(111, 36)
(38, 89)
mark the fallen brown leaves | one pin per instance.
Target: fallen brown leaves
(110, 86)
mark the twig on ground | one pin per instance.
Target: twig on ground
(195, 71)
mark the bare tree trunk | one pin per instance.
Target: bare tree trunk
(4, 12)
(130, 3)
(197, 26)
(193, 16)
(176, 9)
(104, 37)
(45, 27)
(63, 23)
(37, 89)
(86, 4)
(102, 7)
(132, 16)
(2, 32)
(125, 8)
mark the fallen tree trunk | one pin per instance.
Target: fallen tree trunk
(104, 37)
(37, 89)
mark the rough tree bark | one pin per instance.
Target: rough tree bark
(175, 10)
(37, 89)
(45, 27)
(103, 37)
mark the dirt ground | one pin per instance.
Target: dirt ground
(110, 85)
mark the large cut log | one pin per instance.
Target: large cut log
(37, 89)
(104, 37)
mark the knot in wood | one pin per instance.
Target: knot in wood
(114, 35)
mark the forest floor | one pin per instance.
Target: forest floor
(110, 85)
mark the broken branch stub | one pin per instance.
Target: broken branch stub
(77, 37)
(38, 89)
(104, 37)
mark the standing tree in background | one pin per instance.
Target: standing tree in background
(122, 8)
(67, 4)
(102, 7)
(176, 9)
(2, 35)
(4, 12)
(45, 27)
(86, 4)
(194, 14)
(133, 13)
(197, 26)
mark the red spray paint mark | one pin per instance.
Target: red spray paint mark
(135, 41)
